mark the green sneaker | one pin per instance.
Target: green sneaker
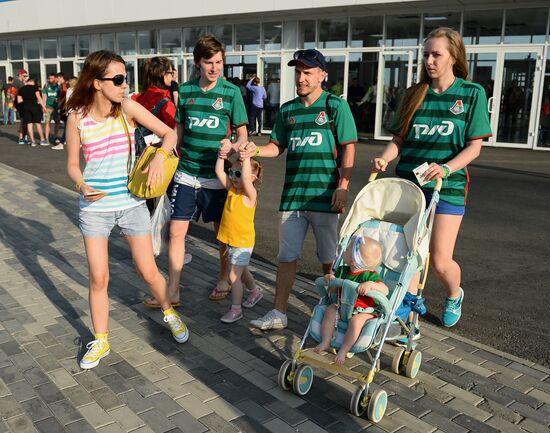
(97, 350)
(452, 310)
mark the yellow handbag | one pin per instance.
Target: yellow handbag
(137, 180)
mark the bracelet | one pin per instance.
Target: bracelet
(78, 185)
(163, 152)
(257, 152)
(447, 170)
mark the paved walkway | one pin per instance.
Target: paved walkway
(224, 379)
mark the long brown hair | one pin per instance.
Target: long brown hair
(95, 66)
(414, 96)
(155, 70)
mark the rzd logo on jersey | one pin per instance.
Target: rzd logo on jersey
(315, 139)
(210, 122)
(218, 105)
(446, 128)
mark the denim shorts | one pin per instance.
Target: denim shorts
(444, 207)
(189, 203)
(293, 227)
(239, 256)
(134, 221)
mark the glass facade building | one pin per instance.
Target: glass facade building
(373, 53)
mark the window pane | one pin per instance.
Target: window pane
(482, 27)
(402, 30)
(33, 48)
(366, 32)
(272, 36)
(248, 37)
(525, 26)
(67, 44)
(16, 50)
(147, 42)
(49, 45)
(126, 43)
(444, 19)
(190, 37)
(307, 34)
(224, 33)
(83, 45)
(108, 41)
(333, 33)
(170, 41)
(3, 50)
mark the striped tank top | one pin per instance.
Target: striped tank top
(105, 148)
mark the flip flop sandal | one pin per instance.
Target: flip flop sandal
(152, 303)
(219, 295)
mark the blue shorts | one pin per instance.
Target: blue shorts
(239, 256)
(190, 203)
(134, 221)
(444, 207)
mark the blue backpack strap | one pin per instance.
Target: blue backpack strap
(158, 107)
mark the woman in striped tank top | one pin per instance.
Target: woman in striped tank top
(96, 123)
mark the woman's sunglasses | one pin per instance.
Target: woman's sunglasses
(235, 173)
(118, 80)
(305, 54)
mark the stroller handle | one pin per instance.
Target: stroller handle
(379, 297)
(437, 187)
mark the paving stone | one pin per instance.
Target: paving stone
(474, 425)
(89, 380)
(532, 426)
(111, 428)
(247, 424)
(22, 390)
(49, 393)
(539, 375)
(23, 361)
(287, 414)
(216, 423)
(144, 386)
(80, 426)
(49, 425)
(65, 412)
(106, 398)
(256, 411)
(126, 418)
(117, 383)
(157, 421)
(62, 378)
(278, 426)
(417, 408)
(78, 395)
(135, 401)
(47, 363)
(541, 417)
(310, 427)
(10, 374)
(196, 407)
(19, 424)
(95, 415)
(36, 409)
(443, 423)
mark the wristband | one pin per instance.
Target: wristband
(447, 170)
(163, 152)
(257, 152)
(78, 185)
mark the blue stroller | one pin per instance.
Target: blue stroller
(392, 211)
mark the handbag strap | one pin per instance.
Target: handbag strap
(125, 126)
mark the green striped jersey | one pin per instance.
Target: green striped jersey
(440, 129)
(207, 118)
(311, 173)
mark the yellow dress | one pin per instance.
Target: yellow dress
(237, 224)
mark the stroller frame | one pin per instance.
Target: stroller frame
(297, 374)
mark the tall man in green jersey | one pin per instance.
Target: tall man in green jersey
(51, 93)
(315, 189)
(208, 108)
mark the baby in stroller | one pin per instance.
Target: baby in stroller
(362, 255)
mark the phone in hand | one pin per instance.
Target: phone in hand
(94, 193)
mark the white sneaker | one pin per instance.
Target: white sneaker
(272, 320)
(58, 147)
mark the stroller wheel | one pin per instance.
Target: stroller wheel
(377, 405)
(303, 379)
(413, 364)
(397, 361)
(284, 380)
(359, 402)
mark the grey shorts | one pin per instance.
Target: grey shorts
(134, 221)
(293, 227)
(51, 115)
(239, 256)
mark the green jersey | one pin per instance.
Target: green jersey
(51, 92)
(311, 172)
(440, 129)
(207, 118)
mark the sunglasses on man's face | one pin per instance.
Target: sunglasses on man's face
(118, 80)
(235, 173)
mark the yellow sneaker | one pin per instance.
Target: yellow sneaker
(97, 350)
(178, 328)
